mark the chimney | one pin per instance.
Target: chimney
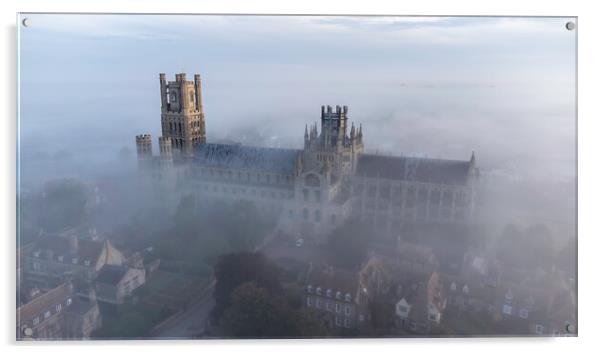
(91, 294)
(33, 292)
(69, 284)
(73, 244)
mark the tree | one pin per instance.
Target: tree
(566, 257)
(64, 204)
(202, 231)
(309, 324)
(349, 242)
(256, 313)
(381, 314)
(235, 269)
(526, 249)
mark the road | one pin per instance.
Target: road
(191, 322)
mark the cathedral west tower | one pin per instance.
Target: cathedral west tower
(182, 117)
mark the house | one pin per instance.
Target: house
(336, 294)
(115, 283)
(406, 280)
(55, 313)
(557, 317)
(421, 303)
(68, 256)
(541, 303)
(465, 294)
(387, 266)
(475, 288)
(403, 257)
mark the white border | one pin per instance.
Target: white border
(589, 170)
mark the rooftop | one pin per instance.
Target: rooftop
(334, 279)
(111, 274)
(237, 156)
(426, 170)
(43, 302)
(63, 246)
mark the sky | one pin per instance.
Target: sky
(426, 86)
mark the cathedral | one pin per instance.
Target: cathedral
(310, 190)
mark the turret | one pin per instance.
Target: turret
(306, 137)
(186, 99)
(163, 86)
(197, 92)
(144, 150)
(166, 154)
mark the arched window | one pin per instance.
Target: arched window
(305, 194)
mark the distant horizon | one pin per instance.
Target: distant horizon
(422, 86)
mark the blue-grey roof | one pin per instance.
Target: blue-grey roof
(237, 156)
(425, 170)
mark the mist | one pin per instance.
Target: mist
(438, 87)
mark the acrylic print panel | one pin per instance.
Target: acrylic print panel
(209, 176)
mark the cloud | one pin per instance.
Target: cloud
(261, 66)
(414, 29)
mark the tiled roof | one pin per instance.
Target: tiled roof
(44, 302)
(425, 170)
(247, 157)
(59, 246)
(405, 252)
(333, 279)
(111, 274)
